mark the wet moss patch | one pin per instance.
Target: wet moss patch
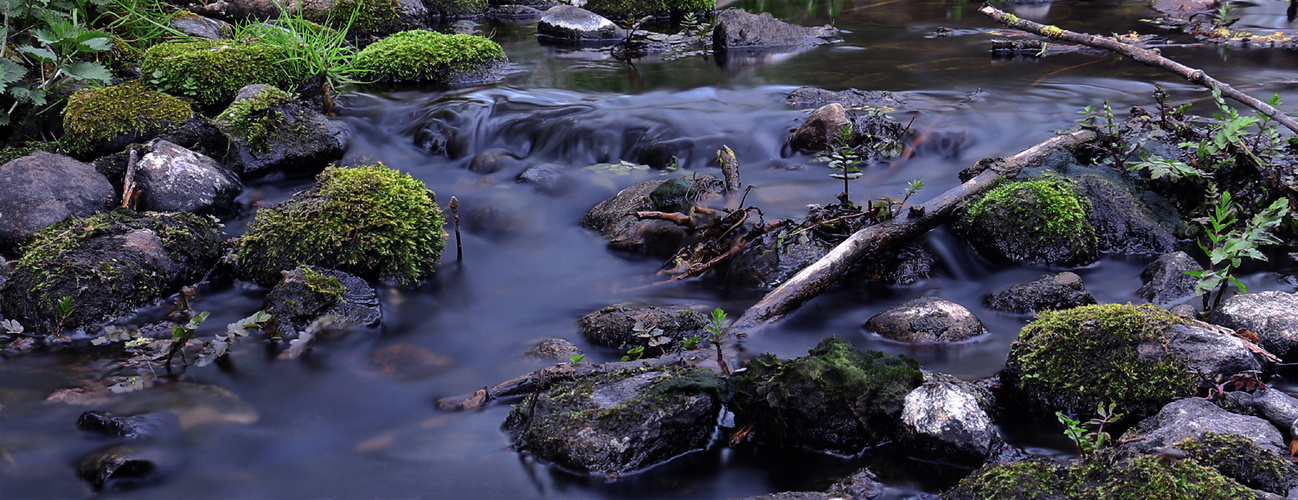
(426, 56)
(212, 71)
(1042, 220)
(99, 115)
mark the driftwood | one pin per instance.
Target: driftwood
(129, 189)
(1144, 56)
(872, 240)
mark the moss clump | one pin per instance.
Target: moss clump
(1073, 360)
(372, 16)
(428, 56)
(1241, 459)
(370, 221)
(635, 9)
(456, 8)
(1101, 476)
(249, 119)
(99, 115)
(321, 283)
(212, 71)
(15, 151)
(1041, 220)
(837, 398)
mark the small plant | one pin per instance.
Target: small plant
(691, 342)
(652, 335)
(634, 353)
(576, 359)
(219, 347)
(845, 160)
(1086, 440)
(11, 327)
(1228, 245)
(310, 48)
(718, 327)
(63, 311)
(180, 337)
(1225, 15)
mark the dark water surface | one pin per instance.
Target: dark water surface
(335, 426)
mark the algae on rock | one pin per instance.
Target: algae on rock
(125, 113)
(371, 221)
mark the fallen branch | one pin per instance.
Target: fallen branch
(1144, 56)
(129, 189)
(677, 218)
(872, 240)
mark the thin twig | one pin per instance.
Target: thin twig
(455, 217)
(128, 183)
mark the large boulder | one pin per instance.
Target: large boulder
(1050, 293)
(270, 131)
(614, 217)
(44, 188)
(1242, 459)
(835, 399)
(1100, 475)
(1271, 405)
(370, 221)
(943, 421)
(1273, 316)
(1139, 357)
(1165, 281)
(427, 56)
(615, 327)
(212, 71)
(175, 179)
(102, 121)
(1195, 418)
(575, 24)
(739, 29)
(926, 320)
(1122, 224)
(621, 421)
(109, 265)
(307, 294)
(1040, 221)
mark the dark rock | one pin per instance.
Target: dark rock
(493, 160)
(737, 28)
(269, 131)
(307, 294)
(619, 422)
(454, 9)
(615, 327)
(767, 262)
(812, 98)
(1211, 351)
(201, 27)
(613, 217)
(175, 179)
(906, 266)
(109, 264)
(836, 399)
(513, 12)
(547, 177)
(575, 24)
(1241, 459)
(1051, 293)
(147, 426)
(497, 213)
(1273, 316)
(926, 320)
(408, 362)
(1041, 221)
(1105, 474)
(1193, 418)
(821, 130)
(1272, 405)
(126, 467)
(553, 349)
(1165, 281)
(43, 188)
(861, 485)
(942, 421)
(440, 134)
(1122, 224)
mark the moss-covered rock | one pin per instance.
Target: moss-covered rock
(1241, 459)
(1101, 476)
(372, 17)
(109, 264)
(271, 131)
(307, 294)
(635, 9)
(1038, 221)
(620, 421)
(371, 221)
(836, 399)
(212, 71)
(109, 118)
(456, 9)
(615, 327)
(1075, 359)
(426, 56)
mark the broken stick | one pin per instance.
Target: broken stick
(870, 241)
(1144, 56)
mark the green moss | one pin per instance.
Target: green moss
(428, 56)
(1061, 208)
(322, 284)
(1026, 480)
(249, 119)
(1041, 220)
(1101, 476)
(97, 115)
(212, 71)
(372, 16)
(371, 221)
(456, 8)
(15, 151)
(1241, 459)
(1072, 360)
(627, 9)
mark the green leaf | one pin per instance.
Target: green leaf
(43, 55)
(98, 44)
(10, 72)
(86, 70)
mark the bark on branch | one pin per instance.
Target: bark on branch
(1145, 56)
(872, 240)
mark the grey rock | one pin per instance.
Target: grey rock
(812, 98)
(1273, 316)
(1122, 224)
(614, 326)
(737, 28)
(175, 179)
(861, 485)
(43, 188)
(309, 293)
(1185, 311)
(1165, 281)
(1051, 293)
(1210, 351)
(547, 177)
(767, 262)
(157, 425)
(821, 130)
(293, 138)
(926, 320)
(941, 420)
(575, 24)
(493, 160)
(553, 348)
(202, 27)
(1193, 418)
(1271, 404)
(513, 12)
(613, 217)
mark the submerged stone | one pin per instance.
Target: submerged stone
(145, 426)
(307, 294)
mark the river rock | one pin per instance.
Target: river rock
(821, 130)
(1122, 224)
(1165, 281)
(861, 485)
(812, 98)
(126, 467)
(513, 12)
(553, 348)
(1050, 293)
(198, 26)
(1240, 458)
(738, 29)
(42, 188)
(175, 179)
(619, 422)
(614, 326)
(270, 131)
(942, 421)
(146, 426)
(546, 177)
(835, 399)
(493, 160)
(926, 320)
(307, 294)
(614, 219)
(767, 262)
(385, 17)
(1193, 418)
(1038, 221)
(1273, 316)
(110, 264)
(575, 24)
(1270, 404)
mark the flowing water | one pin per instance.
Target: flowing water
(333, 425)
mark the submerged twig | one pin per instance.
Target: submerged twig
(455, 217)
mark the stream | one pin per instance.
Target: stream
(347, 422)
